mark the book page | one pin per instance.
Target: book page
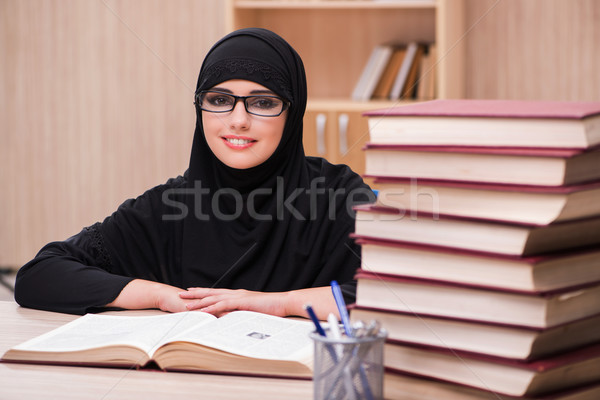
(255, 335)
(96, 330)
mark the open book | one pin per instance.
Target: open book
(240, 342)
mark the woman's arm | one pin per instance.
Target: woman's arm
(222, 301)
(91, 269)
(141, 294)
(66, 277)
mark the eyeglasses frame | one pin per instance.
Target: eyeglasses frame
(286, 104)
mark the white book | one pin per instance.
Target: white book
(411, 51)
(241, 342)
(361, 84)
(382, 60)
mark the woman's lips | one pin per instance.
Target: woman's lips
(238, 142)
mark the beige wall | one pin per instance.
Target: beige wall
(95, 107)
(533, 49)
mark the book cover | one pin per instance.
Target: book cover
(382, 60)
(494, 109)
(384, 86)
(427, 78)
(492, 339)
(403, 386)
(506, 123)
(475, 234)
(361, 84)
(517, 166)
(476, 303)
(550, 271)
(404, 71)
(508, 377)
(410, 86)
(511, 203)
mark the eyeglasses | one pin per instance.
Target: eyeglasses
(219, 102)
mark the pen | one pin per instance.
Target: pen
(346, 376)
(339, 301)
(334, 327)
(341, 305)
(315, 320)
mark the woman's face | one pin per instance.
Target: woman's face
(238, 139)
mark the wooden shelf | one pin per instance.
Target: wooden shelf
(335, 104)
(335, 39)
(333, 4)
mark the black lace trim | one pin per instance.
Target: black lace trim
(250, 67)
(104, 259)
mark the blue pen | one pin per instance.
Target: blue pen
(341, 305)
(315, 320)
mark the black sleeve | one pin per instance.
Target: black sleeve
(73, 276)
(90, 269)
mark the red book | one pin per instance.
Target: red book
(492, 339)
(475, 234)
(476, 303)
(508, 377)
(404, 386)
(502, 165)
(510, 203)
(540, 273)
(508, 123)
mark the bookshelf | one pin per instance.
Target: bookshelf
(335, 39)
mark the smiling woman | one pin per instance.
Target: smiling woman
(269, 229)
(242, 134)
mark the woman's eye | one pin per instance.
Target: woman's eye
(219, 100)
(264, 103)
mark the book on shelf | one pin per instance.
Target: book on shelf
(404, 71)
(409, 89)
(517, 166)
(474, 234)
(499, 123)
(508, 377)
(240, 342)
(360, 86)
(427, 74)
(541, 273)
(477, 303)
(510, 203)
(384, 86)
(497, 340)
(372, 72)
(403, 386)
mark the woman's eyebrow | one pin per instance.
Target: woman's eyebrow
(256, 91)
(262, 91)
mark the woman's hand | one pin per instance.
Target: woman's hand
(168, 299)
(221, 301)
(141, 294)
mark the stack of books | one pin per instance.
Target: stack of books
(481, 255)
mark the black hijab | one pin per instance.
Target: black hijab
(263, 228)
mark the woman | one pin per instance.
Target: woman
(253, 224)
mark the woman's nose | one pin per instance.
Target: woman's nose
(239, 117)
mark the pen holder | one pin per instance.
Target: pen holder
(348, 368)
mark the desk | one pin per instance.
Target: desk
(25, 381)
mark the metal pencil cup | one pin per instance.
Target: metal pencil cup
(348, 368)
